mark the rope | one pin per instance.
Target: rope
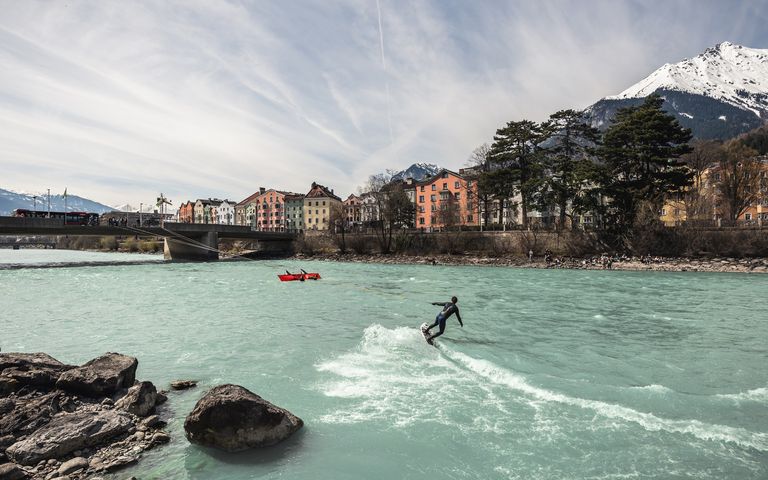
(185, 241)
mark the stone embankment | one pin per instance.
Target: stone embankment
(663, 264)
(65, 422)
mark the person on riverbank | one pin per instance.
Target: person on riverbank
(448, 309)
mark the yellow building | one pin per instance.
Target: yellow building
(318, 204)
(707, 201)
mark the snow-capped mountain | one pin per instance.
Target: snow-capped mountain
(10, 201)
(718, 94)
(417, 171)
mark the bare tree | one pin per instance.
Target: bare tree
(737, 179)
(480, 163)
(698, 200)
(339, 225)
(394, 209)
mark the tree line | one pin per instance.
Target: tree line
(622, 176)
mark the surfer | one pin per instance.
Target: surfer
(448, 309)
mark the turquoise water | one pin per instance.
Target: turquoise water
(557, 374)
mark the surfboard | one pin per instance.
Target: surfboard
(424, 333)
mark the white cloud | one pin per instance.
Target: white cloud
(119, 100)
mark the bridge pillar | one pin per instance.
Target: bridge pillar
(201, 248)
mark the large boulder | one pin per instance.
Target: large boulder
(67, 432)
(232, 418)
(38, 370)
(102, 376)
(140, 399)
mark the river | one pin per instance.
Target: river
(556, 374)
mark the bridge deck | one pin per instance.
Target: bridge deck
(45, 226)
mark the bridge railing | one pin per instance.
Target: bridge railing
(29, 222)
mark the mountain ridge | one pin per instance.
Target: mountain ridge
(719, 94)
(10, 201)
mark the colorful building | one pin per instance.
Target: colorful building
(446, 200)
(318, 203)
(244, 215)
(294, 212)
(271, 211)
(225, 213)
(187, 212)
(353, 211)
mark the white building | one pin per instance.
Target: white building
(225, 213)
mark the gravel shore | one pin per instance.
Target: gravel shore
(661, 264)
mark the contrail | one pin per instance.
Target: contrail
(384, 67)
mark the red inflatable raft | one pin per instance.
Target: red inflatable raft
(298, 276)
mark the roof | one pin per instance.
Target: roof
(437, 176)
(321, 191)
(248, 199)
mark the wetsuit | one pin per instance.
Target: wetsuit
(448, 309)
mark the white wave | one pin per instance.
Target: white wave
(653, 388)
(756, 395)
(650, 422)
(394, 375)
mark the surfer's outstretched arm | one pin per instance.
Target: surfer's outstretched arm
(439, 304)
(458, 317)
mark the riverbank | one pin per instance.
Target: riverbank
(659, 264)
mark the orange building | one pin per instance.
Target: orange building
(446, 200)
(187, 212)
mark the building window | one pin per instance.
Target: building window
(469, 218)
(445, 174)
(421, 198)
(432, 198)
(434, 187)
(434, 207)
(421, 220)
(663, 212)
(445, 185)
(747, 216)
(457, 195)
(422, 188)
(455, 184)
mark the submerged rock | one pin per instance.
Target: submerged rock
(67, 432)
(232, 418)
(102, 376)
(183, 384)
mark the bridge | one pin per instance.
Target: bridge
(183, 241)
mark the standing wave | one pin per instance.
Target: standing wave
(700, 430)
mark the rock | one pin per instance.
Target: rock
(160, 437)
(11, 471)
(140, 399)
(161, 397)
(107, 402)
(120, 462)
(68, 432)
(38, 370)
(30, 413)
(73, 465)
(102, 376)
(183, 384)
(6, 405)
(6, 441)
(232, 418)
(152, 421)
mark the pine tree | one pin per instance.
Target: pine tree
(517, 156)
(569, 146)
(641, 164)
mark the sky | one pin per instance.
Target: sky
(118, 101)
